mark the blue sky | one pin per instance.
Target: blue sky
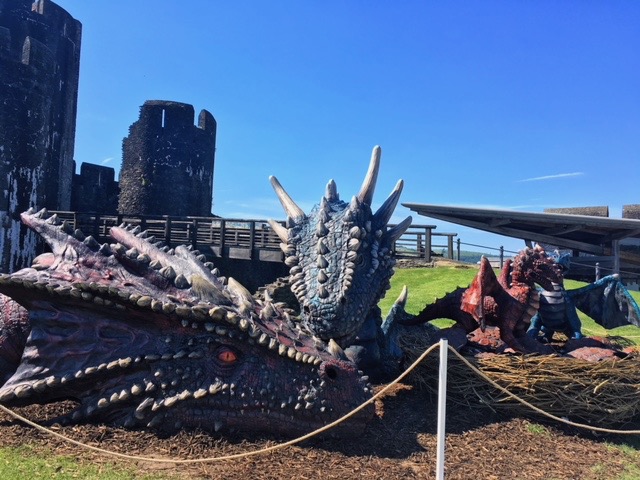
(507, 104)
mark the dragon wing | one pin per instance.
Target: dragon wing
(608, 302)
(485, 284)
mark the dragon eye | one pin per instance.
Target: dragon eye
(360, 260)
(227, 356)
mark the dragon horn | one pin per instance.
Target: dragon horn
(385, 211)
(291, 209)
(369, 183)
(394, 233)
(282, 232)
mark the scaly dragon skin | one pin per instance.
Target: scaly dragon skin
(142, 336)
(508, 302)
(340, 259)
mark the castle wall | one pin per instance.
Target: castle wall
(39, 67)
(95, 190)
(167, 164)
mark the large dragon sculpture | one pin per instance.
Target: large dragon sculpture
(340, 259)
(142, 336)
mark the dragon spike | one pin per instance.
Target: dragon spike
(238, 290)
(41, 214)
(336, 350)
(401, 301)
(394, 233)
(291, 209)
(282, 232)
(331, 193)
(369, 184)
(385, 211)
(59, 237)
(354, 206)
(325, 209)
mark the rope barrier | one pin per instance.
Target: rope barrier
(536, 409)
(319, 430)
(236, 455)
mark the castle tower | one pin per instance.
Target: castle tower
(39, 67)
(167, 162)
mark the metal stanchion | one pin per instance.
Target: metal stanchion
(442, 407)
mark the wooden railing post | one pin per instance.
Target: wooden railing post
(458, 249)
(252, 238)
(194, 233)
(167, 230)
(223, 235)
(450, 247)
(96, 226)
(428, 243)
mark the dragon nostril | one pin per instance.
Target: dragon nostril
(331, 372)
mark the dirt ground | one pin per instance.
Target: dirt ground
(399, 443)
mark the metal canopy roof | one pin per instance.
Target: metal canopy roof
(580, 232)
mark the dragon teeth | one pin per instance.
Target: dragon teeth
(201, 392)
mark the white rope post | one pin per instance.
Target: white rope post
(442, 408)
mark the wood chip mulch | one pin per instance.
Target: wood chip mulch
(399, 444)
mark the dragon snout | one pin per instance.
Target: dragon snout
(342, 379)
(329, 321)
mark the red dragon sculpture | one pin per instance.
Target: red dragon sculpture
(507, 302)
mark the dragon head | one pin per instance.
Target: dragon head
(140, 335)
(533, 265)
(340, 255)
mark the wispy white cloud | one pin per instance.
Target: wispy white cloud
(106, 160)
(552, 177)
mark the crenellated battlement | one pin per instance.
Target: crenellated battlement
(174, 116)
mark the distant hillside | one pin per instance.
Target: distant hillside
(465, 255)
(471, 257)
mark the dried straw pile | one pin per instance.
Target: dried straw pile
(604, 394)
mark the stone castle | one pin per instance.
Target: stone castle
(39, 67)
(163, 153)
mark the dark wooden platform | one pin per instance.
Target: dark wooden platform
(236, 238)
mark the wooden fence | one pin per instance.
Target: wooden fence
(237, 238)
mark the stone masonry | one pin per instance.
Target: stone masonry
(167, 164)
(39, 67)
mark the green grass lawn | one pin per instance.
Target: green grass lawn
(24, 463)
(427, 284)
